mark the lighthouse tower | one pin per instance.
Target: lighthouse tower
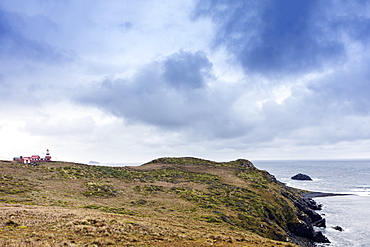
(47, 155)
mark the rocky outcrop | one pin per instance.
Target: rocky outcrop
(301, 176)
(309, 219)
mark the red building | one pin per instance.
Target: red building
(34, 158)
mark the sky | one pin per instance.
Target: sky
(125, 81)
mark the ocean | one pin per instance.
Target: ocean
(351, 212)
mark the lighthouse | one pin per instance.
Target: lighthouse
(47, 155)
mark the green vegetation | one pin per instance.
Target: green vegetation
(196, 161)
(97, 189)
(187, 200)
(13, 185)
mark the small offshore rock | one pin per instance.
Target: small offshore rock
(301, 176)
(338, 228)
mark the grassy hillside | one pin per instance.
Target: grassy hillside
(166, 202)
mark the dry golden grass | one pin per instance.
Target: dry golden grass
(23, 225)
(66, 204)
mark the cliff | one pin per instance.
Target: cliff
(166, 202)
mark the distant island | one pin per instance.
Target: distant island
(166, 202)
(94, 162)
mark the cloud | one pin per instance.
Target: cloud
(15, 45)
(346, 91)
(187, 70)
(170, 92)
(274, 38)
(330, 108)
(180, 93)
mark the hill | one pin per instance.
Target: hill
(166, 202)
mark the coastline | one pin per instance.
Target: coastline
(313, 194)
(341, 186)
(309, 206)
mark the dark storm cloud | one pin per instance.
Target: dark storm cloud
(166, 93)
(286, 37)
(14, 44)
(186, 70)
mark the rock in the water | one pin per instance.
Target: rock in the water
(338, 228)
(301, 176)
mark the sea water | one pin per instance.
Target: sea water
(351, 212)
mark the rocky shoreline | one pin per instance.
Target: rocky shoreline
(305, 233)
